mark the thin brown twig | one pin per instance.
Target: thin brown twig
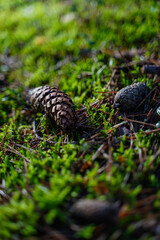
(6, 132)
(155, 157)
(146, 97)
(11, 149)
(28, 149)
(135, 121)
(98, 152)
(139, 151)
(152, 131)
(112, 76)
(110, 160)
(117, 126)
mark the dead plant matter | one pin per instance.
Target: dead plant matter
(152, 69)
(130, 98)
(54, 103)
(94, 211)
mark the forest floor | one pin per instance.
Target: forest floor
(89, 50)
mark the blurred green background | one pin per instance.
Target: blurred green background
(41, 33)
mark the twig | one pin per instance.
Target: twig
(135, 121)
(6, 132)
(117, 126)
(146, 97)
(155, 157)
(11, 149)
(3, 194)
(53, 142)
(97, 153)
(152, 131)
(63, 62)
(104, 167)
(132, 64)
(126, 178)
(28, 149)
(112, 76)
(131, 139)
(101, 70)
(152, 69)
(40, 122)
(152, 112)
(139, 151)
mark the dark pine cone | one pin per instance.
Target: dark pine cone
(55, 103)
(129, 98)
(94, 211)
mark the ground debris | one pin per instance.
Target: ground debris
(128, 99)
(94, 211)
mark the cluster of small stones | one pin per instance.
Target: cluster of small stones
(54, 103)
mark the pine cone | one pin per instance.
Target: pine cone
(55, 103)
(94, 211)
(129, 98)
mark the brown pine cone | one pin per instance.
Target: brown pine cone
(129, 98)
(94, 211)
(55, 103)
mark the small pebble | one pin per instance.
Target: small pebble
(158, 111)
(158, 124)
